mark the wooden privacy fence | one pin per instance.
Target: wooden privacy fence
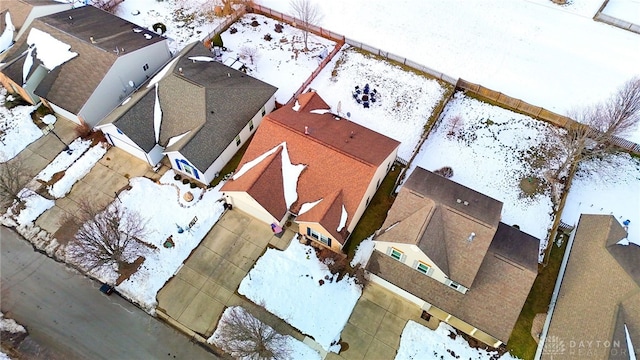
(235, 15)
(534, 111)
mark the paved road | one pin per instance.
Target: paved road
(65, 311)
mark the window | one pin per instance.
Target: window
(145, 67)
(377, 186)
(423, 268)
(238, 141)
(250, 125)
(368, 199)
(454, 285)
(319, 237)
(396, 254)
(264, 112)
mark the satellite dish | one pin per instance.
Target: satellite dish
(131, 83)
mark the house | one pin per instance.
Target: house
(313, 167)
(17, 15)
(597, 311)
(82, 62)
(203, 112)
(443, 247)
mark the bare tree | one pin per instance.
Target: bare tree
(105, 238)
(308, 14)
(245, 337)
(14, 175)
(250, 52)
(597, 126)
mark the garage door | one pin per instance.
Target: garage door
(133, 150)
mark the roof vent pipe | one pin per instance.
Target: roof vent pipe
(306, 130)
(471, 237)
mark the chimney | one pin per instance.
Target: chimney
(471, 237)
(306, 130)
(352, 134)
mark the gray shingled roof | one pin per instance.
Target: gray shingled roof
(72, 83)
(107, 30)
(220, 98)
(211, 101)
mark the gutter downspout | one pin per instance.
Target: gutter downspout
(556, 292)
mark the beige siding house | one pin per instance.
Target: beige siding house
(443, 247)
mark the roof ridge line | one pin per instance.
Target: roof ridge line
(320, 142)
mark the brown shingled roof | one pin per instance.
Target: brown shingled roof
(598, 295)
(333, 163)
(428, 215)
(492, 305)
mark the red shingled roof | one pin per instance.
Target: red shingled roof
(341, 158)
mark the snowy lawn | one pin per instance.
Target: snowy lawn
(77, 171)
(419, 342)
(34, 204)
(298, 288)
(298, 350)
(64, 159)
(363, 252)
(606, 188)
(494, 151)
(17, 130)
(186, 21)
(532, 50)
(275, 61)
(161, 263)
(404, 99)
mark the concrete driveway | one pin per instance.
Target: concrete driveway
(195, 298)
(110, 175)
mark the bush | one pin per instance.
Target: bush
(185, 181)
(446, 172)
(177, 177)
(268, 37)
(233, 30)
(255, 23)
(216, 40)
(278, 28)
(193, 185)
(160, 28)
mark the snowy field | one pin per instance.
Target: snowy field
(491, 150)
(404, 99)
(186, 21)
(297, 349)
(161, 263)
(542, 54)
(275, 61)
(607, 188)
(17, 130)
(419, 342)
(627, 10)
(298, 288)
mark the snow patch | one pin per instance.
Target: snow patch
(77, 171)
(6, 39)
(201, 58)
(177, 138)
(154, 80)
(283, 280)
(157, 116)
(51, 51)
(63, 160)
(307, 206)
(320, 111)
(296, 106)
(343, 219)
(35, 205)
(363, 252)
(10, 325)
(290, 175)
(49, 119)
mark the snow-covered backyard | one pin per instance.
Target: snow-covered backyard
(493, 151)
(186, 21)
(627, 10)
(404, 99)
(298, 288)
(17, 130)
(296, 349)
(532, 50)
(611, 187)
(160, 262)
(419, 342)
(279, 61)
